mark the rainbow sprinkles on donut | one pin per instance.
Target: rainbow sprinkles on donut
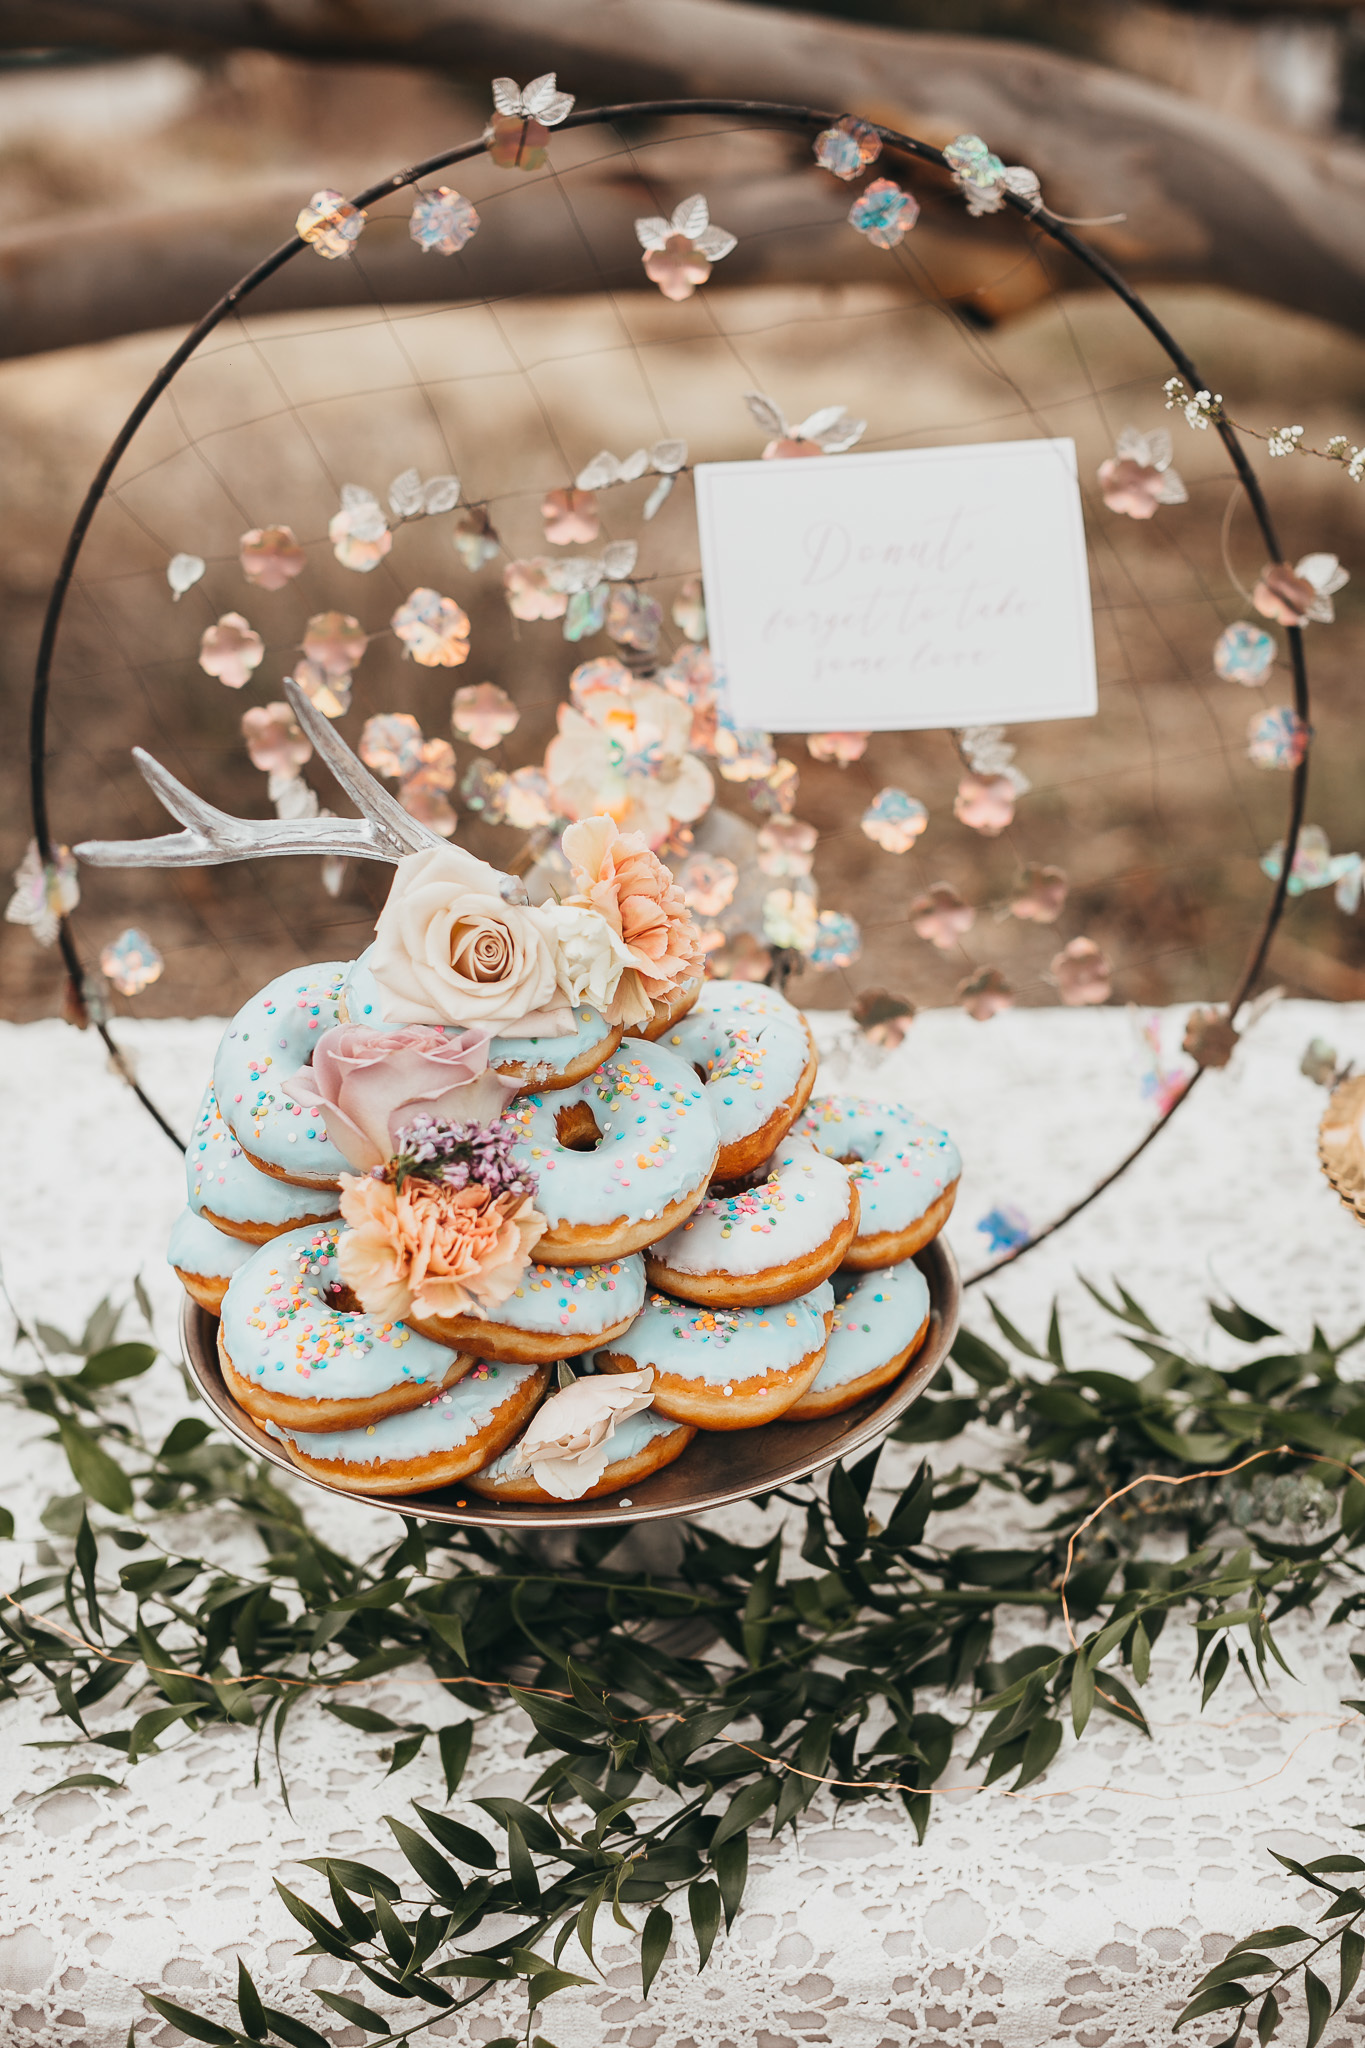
(514, 1135)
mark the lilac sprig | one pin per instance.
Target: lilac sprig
(461, 1155)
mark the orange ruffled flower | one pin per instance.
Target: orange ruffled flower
(616, 874)
(443, 1251)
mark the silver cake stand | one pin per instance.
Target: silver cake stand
(717, 1468)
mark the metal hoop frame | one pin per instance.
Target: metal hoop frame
(761, 113)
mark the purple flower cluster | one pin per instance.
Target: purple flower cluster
(459, 1154)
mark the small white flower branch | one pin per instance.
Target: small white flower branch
(1203, 409)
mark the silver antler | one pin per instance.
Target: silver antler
(384, 831)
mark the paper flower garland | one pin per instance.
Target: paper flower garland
(984, 180)
(1081, 973)
(829, 431)
(231, 651)
(433, 628)
(330, 224)
(483, 714)
(1139, 476)
(679, 252)
(1277, 739)
(1293, 597)
(442, 222)
(270, 557)
(894, 820)
(1244, 653)
(44, 893)
(847, 148)
(359, 532)
(884, 213)
(843, 748)
(131, 962)
(182, 573)
(519, 131)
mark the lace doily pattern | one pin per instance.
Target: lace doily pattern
(1080, 1911)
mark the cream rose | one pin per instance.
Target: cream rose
(567, 1444)
(595, 964)
(450, 950)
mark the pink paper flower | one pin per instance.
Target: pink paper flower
(1294, 596)
(1139, 477)
(483, 714)
(275, 741)
(1082, 973)
(985, 993)
(986, 803)
(270, 556)
(529, 593)
(679, 252)
(708, 882)
(369, 1083)
(434, 629)
(231, 651)
(359, 532)
(786, 846)
(616, 874)
(334, 641)
(841, 747)
(941, 916)
(1039, 894)
(570, 517)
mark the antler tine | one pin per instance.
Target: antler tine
(391, 823)
(200, 816)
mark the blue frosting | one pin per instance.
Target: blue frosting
(802, 1202)
(281, 1331)
(723, 1345)
(269, 1039)
(658, 1139)
(450, 1419)
(628, 1439)
(877, 1315)
(219, 1176)
(906, 1163)
(579, 1300)
(751, 1043)
(196, 1247)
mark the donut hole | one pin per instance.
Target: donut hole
(702, 1072)
(576, 1128)
(849, 1158)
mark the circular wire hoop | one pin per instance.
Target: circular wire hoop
(800, 120)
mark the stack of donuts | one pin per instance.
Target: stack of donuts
(720, 1248)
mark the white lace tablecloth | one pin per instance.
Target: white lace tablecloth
(1079, 1912)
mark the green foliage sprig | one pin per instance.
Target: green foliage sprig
(728, 1691)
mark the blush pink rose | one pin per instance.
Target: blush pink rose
(369, 1083)
(616, 874)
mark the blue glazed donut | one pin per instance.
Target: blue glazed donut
(458, 1429)
(906, 1172)
(764, 1243)
(725, 1368)
(556, 1312)
(881, 1319)
(204, 1259)
(270, 1038)
(235, 1196)
(640, 1445)
(621, 1158)
(758, 1061)
(291, 1355)
(535, 1063)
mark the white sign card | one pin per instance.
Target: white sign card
(888, 592)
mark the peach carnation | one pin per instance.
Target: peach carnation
(616, 874)
(443, 1251)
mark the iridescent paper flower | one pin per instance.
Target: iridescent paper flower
(231, 651)
(331, 694)
(182, 573)
(335, 642)
(412, 496)
(847, 148)
(679, 252)
(984, 993)
(983, 179)
(1082, 973)
(941, 916)
(894, 820)
(483, 714)
(587, 612)
(433, 628)
(570, 517)
(1315, 866)
(530, 595)
(1005, 1228)
(774, 794)
(692, 677)
(270, 556)
(359, 532)
(829, 431)
(330, 224)
(1293, 597)
(422, 791)
(884, 213)
(985, 803)
(519, 131)
(483, 790)
(689, 610)
(883, 1018)
(391, 743)
(1139, 477)
(790, 919)
(1244, 653)
(840, 747)
(739, 958)
(633, 619)
(708, 882)
(1278, 738)
(626, 753)
(1209, 1039)
(605, 673)
(838, 940)
(743, 753)
(131, 962)
(442, 221)
(276, 742)
(527, 800)
(474, 540)
(786, 846)
(1039, 894)
(43, 894)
